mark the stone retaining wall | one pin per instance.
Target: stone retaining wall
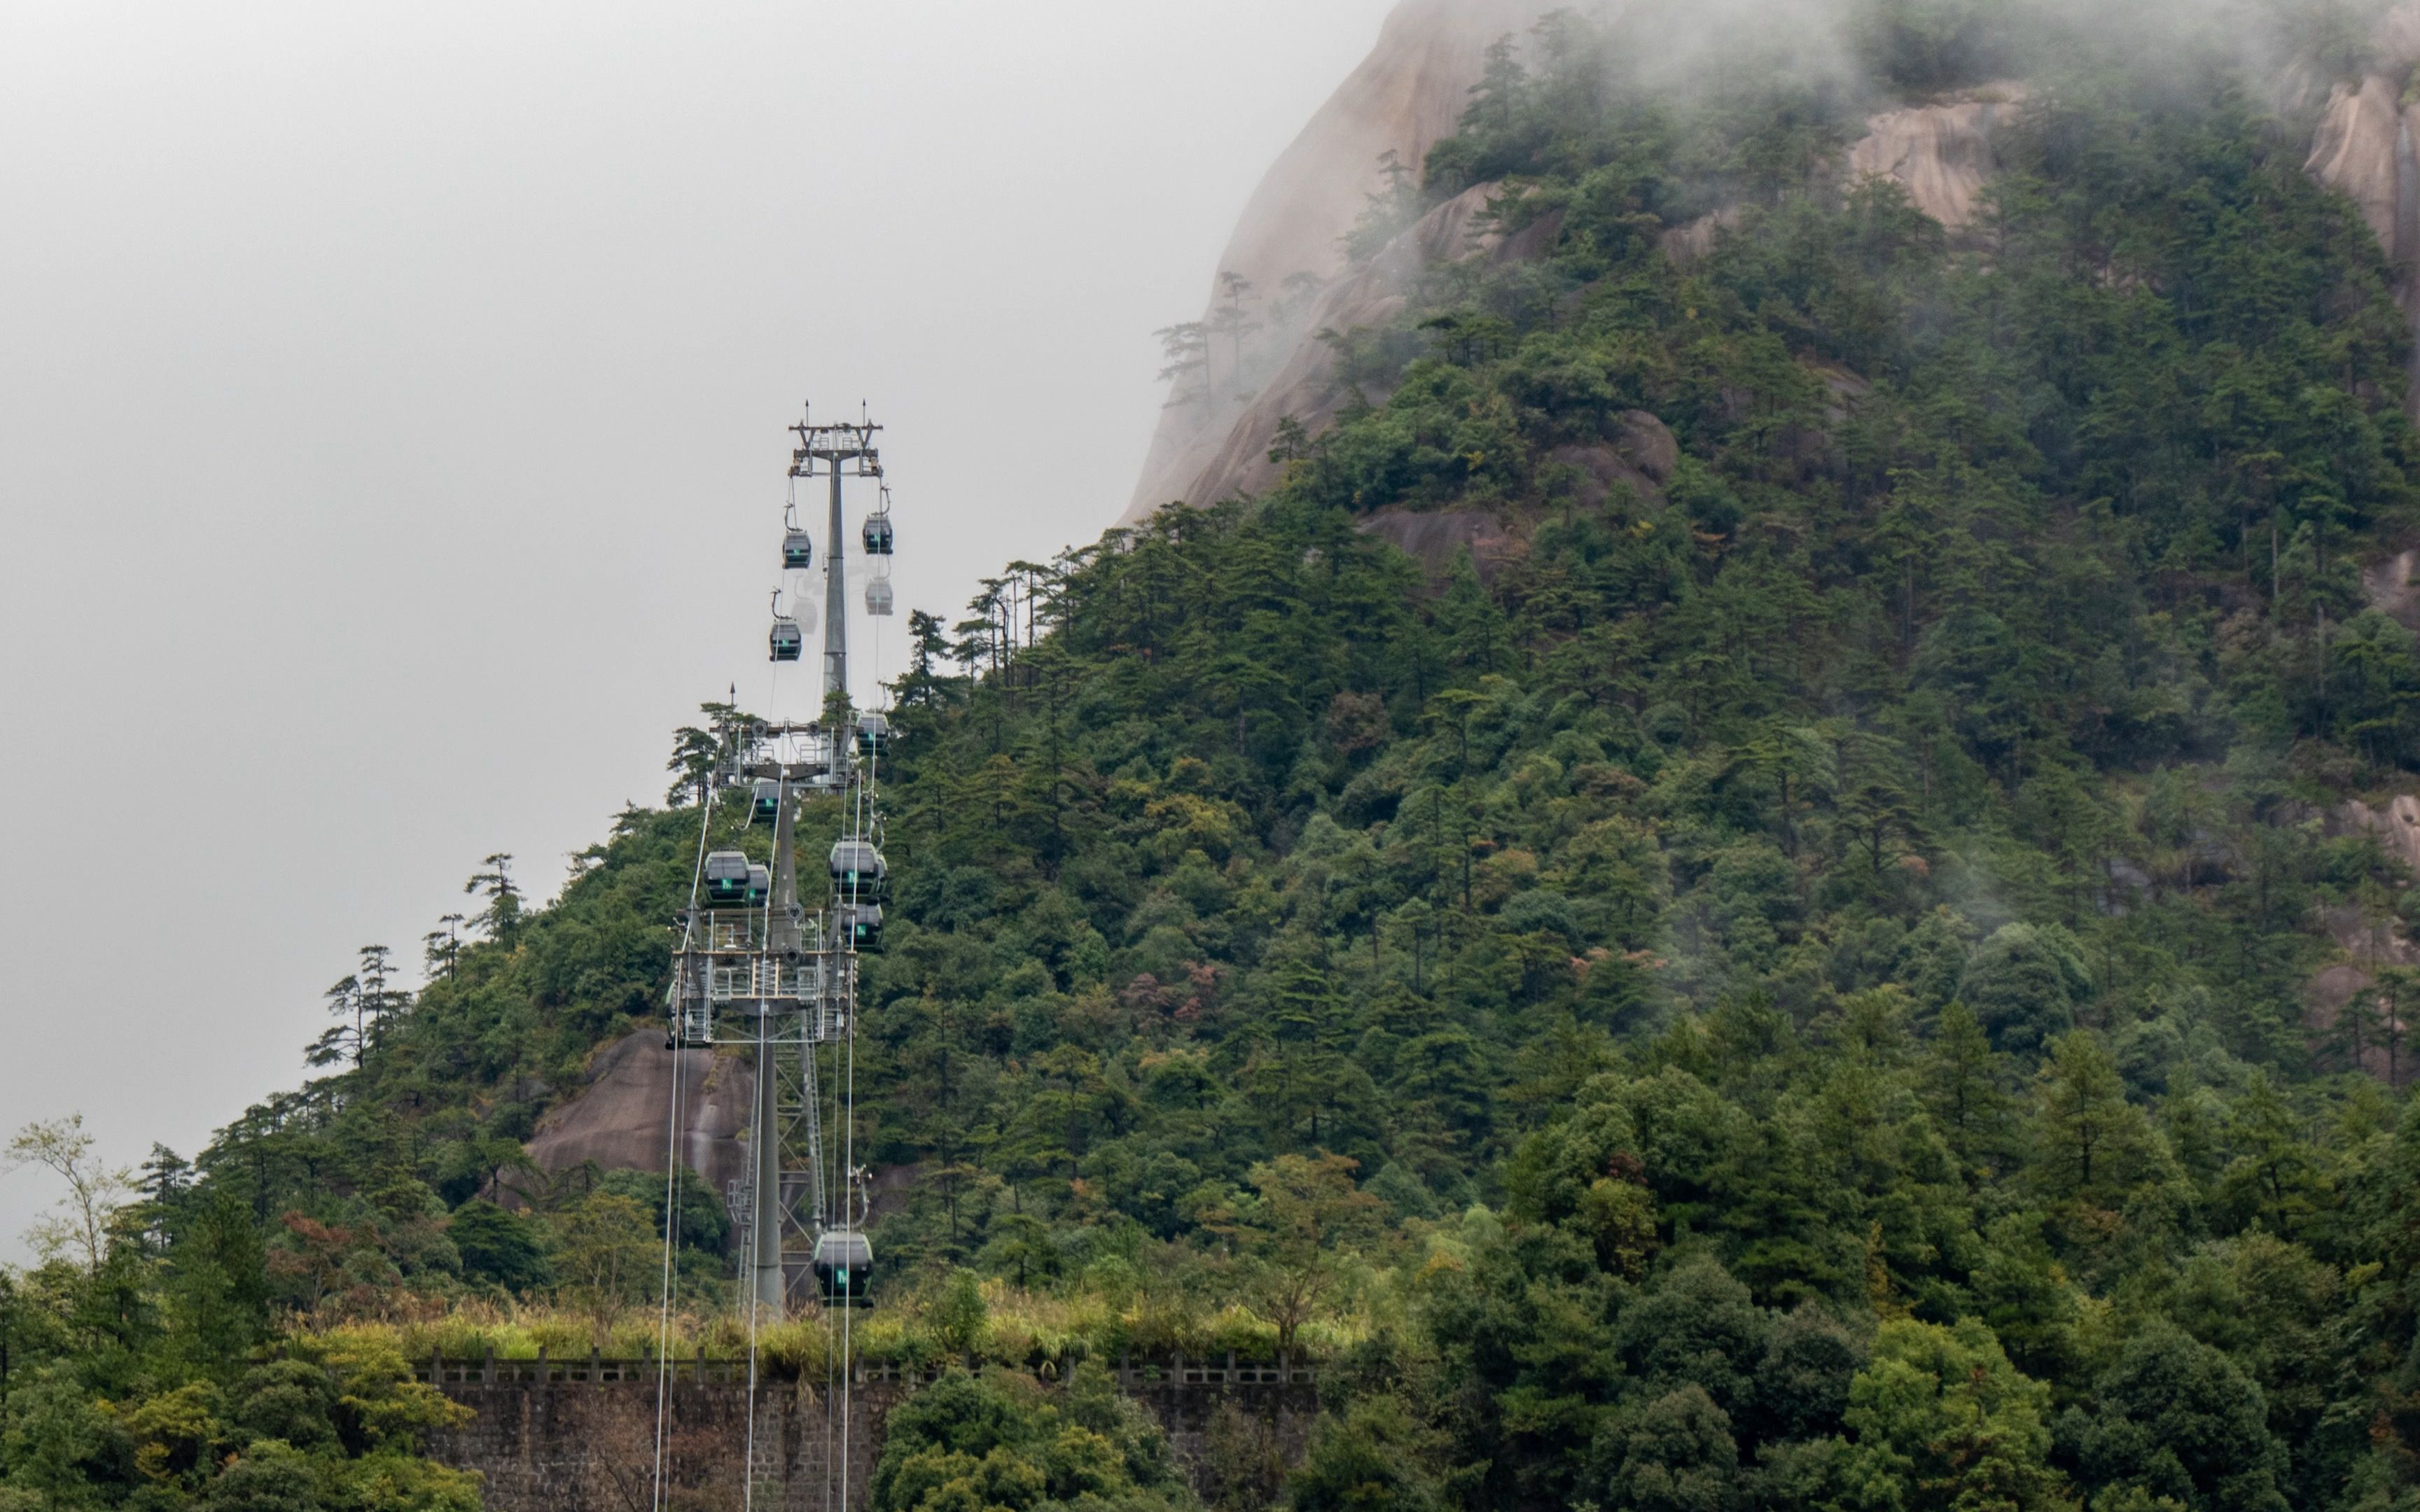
(578, 1435)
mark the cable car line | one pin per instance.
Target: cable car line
(748, 946)
(672, 1163)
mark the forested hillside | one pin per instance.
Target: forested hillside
(1785, 979)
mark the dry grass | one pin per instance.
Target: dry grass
(1022, 1328)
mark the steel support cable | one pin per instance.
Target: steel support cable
(664, 1316)
(848, 1140)
(835, 1369)
(842, 955)
(769, 1213)
(766, 986)
(830, 1335)
(878, 689)
(861, 810)
(748, 1485)
(673, 1161)
(773, 681)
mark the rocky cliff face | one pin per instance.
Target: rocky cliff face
(1214, 438)
(1942, 153)
(2364, 146)
(1304, 385)
(618, 1120)
(1406, 94)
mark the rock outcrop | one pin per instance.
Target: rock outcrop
(1692, 239)
(1405, 95)
(1641, 459)
(1942, 153)
(1435, 538)
(1637, 463)
(1305, 386)
(2389, 587)
(618, 1120)
(2364, 147)
(2397, 826)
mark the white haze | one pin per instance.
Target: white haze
(391, 433)
(1686, 46)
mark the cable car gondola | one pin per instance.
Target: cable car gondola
(787, 641)
(877, 534)
(798, 550)
(861, 926)
(877, 596)
(844, 1267)
(858, 871)
(760, 885)
(873, 734)
(726, 878)
(765, 800)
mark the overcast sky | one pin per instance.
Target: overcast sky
(391, 433)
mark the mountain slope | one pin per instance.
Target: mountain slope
(1403, 98)
(1289, 248)
(1779, 980)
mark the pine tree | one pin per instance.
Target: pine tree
(1964, 1082)
(501, 918)
(343, 1040)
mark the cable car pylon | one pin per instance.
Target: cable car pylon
(756, 967)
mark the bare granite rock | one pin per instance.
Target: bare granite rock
(618, 1120)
